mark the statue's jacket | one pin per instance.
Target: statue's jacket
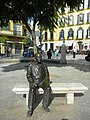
(37, 73)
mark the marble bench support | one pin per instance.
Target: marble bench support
(57, 88)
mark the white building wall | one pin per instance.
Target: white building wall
(86, 4)
(85, 16)
(75, 27)
(75, 19)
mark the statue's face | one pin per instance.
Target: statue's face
(38, 57)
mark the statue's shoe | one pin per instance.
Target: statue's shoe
(46, 109)
(29, 113)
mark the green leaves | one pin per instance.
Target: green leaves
(4, 40)
(26, 41)
(43, 12)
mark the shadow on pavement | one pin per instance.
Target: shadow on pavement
(40, 96)
(79, 64)
(14, 67)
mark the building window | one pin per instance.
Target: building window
(88, 17)
(24, 32)
(81, 6)
(17, 29)
(51, 46)
(51, 35)
(80, 33)
(70, 34)
(45, 46)
(80, 19)
(88, 32)
(62, 10)
(45, 36)
(18, 48)
(61, 22)
(71, 9)
(5, 28)
(61, 35)
(88, 3)
(71, 20)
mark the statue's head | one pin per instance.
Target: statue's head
(38, 57)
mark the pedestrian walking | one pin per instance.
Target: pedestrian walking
(74, 52)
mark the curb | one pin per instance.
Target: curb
(9, 60)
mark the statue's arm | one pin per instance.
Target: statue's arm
(29, 74)
(47, 72)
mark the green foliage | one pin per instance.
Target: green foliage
(43, 12)
(4, 40)
(26, 41)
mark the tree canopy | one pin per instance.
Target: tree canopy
(43, 12)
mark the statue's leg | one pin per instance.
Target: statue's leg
(30, 101)
(46, 98)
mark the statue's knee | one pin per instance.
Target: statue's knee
(49, 88)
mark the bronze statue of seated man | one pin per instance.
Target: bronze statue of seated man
(38, 77)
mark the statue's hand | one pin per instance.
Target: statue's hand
(30, 80)
(33, 85)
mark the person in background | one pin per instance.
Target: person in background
(56, 53)
(74, 52)
(87, 58)
(8, 52)
(49, 54)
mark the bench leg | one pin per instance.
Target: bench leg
(26, 99)
(89, 66)
(70, 98)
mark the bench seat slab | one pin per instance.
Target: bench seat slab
(57, 88)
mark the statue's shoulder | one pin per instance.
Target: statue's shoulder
(31, 63)
(44, 64)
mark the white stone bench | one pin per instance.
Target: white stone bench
(57, 88)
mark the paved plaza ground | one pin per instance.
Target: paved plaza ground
(12, 106)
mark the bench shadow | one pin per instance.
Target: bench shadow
(63, 95)
(78, 94)
(39, 98)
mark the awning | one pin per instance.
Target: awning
(76, 45)
(59, 43)
(86, 42)
(67, 42)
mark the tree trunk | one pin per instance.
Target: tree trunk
(32, 32)
(34, 41)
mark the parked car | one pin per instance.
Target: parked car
(29, 52)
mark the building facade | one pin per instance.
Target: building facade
(73, 28)
(15, 33)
